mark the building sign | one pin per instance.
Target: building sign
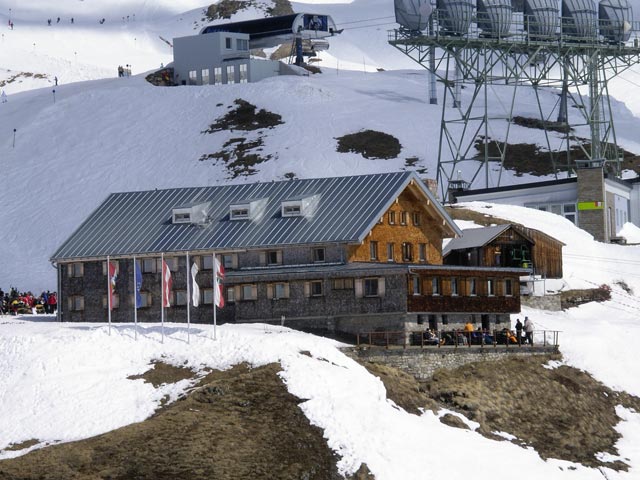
(590, 206)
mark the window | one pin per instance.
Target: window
(292, 210)
(435, 286)
(76, 270)
(407, 252)
(472, 287)
(205, 76)
(403, 218)
(342, 284)
(172, 263)
(227, 42)
(244, 73)
(231, 74)
(182, 218)
(490, 287)
(115, 300)
(115, 263)
(454, 286)
(231, 295)
(390, 255)
(193, 77)
(239, 213)
(179, 298)
(508, 287)
(278, 291)
(242, 44)
(207, 262)
(149, 265)
(274, 257)
(249, 292)
(416, 218)
(217, 75)
(373, 250)
(145, 297)
(370, 287)
(316, 288)
(392, 218)
(416, 284)
(207, 296)
(229, 261)
(422, 252)
(76, 303)
(318, 255)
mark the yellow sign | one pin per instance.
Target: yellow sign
(590, 205)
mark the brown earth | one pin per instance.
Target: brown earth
(237, 424)
(370, 144)
(246, 117)
(562, 413)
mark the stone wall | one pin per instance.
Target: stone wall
(547, 302)
(422, 363)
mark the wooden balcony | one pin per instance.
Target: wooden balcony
(463, 304)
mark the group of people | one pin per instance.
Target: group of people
(527, 327)
(124, 71)
(15, 302)
(472, 336)
(10, 24)
(49, 21)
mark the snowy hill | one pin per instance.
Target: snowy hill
(102, 134)
(91, 138)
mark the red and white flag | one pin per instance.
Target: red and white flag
(113, 275)
(218, 288)
(166, 277)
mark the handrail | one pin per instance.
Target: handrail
(456, 338)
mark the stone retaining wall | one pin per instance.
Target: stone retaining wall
(547, 302)
(422, 363)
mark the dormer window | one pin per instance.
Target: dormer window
(294, 210)
(191, 213)
(182, 218)
(239, 213)
(248, 209)
(300, 207)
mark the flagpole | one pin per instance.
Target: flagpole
(188, 301)
(162, 294)
(215, 291)
(109, 291)
(135, 297)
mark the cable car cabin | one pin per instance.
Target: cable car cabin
(273, 31)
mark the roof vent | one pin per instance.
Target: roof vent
(248, 209)
(193, 213)
(300, 207)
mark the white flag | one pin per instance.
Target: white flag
(195, 294)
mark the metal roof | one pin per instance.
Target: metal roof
(132, 223)
(474, 237)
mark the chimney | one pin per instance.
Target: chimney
(432, 185)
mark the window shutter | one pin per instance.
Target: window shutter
(81, 303)
(263, 258)
(149, 299)
(359, 290)
(381, 287)
(286, 290)
(307, 289)
(234, 261)
(279, 257)
(104, 268)
(70, 303)
(254, 292)
(270, 294)
(69, 269)
(237, 292)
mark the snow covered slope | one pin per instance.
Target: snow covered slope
(115, 134)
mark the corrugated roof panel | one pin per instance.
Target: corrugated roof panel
(140, 222)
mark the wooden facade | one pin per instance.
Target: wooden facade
(410, 231)
(514, 247)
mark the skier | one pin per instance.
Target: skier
(3, 96)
